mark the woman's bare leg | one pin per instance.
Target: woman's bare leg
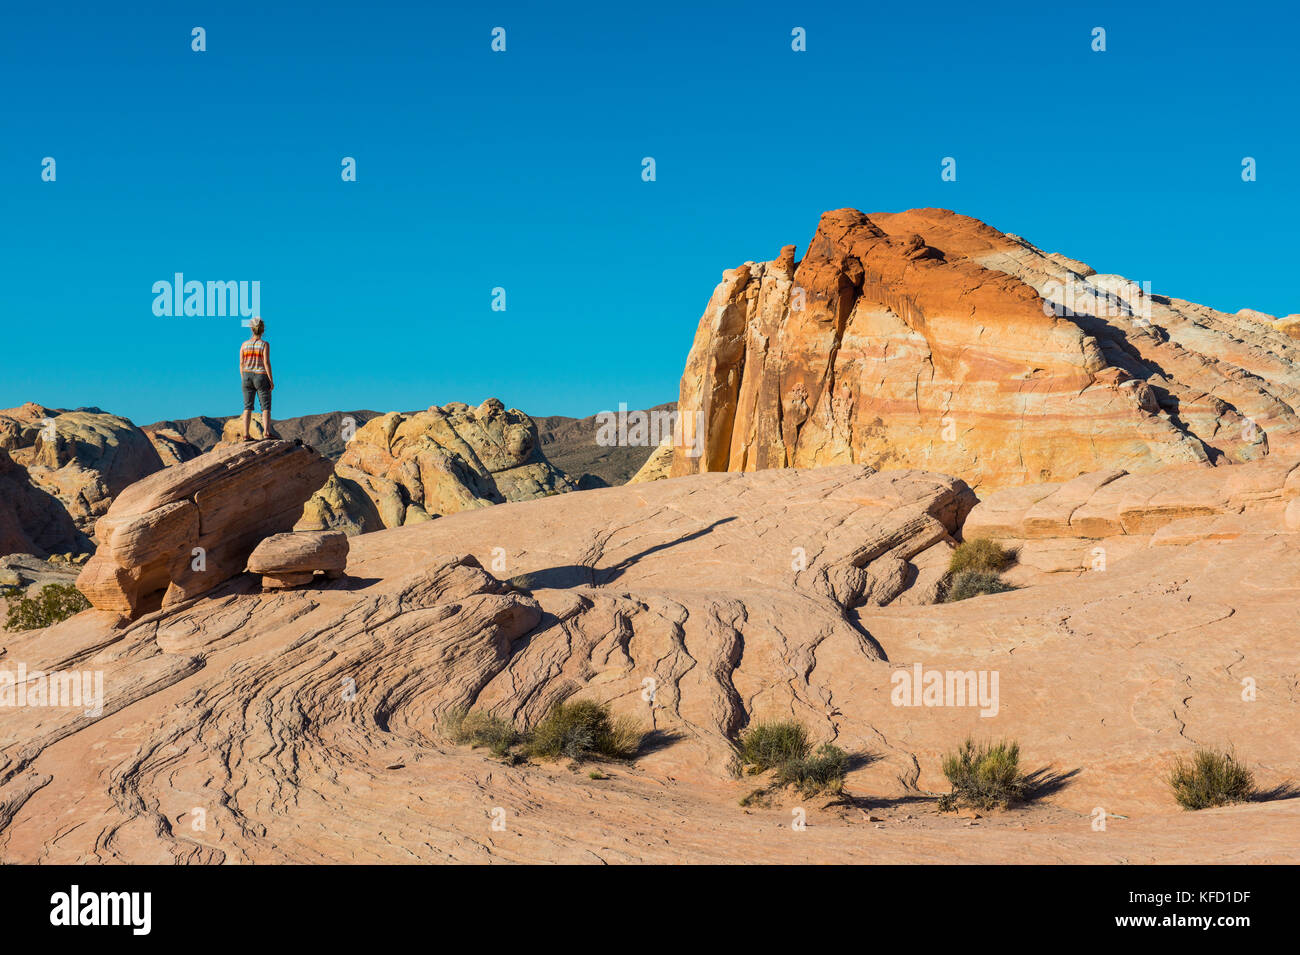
(266, 423)
(248, 419)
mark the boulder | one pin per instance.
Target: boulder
(289, 560)
(342, 504)
(183, 531)
(286, 580)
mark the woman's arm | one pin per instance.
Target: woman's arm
(266, 363)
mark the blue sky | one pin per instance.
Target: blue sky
(522, 170)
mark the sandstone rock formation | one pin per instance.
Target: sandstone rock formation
(1079, 526)
(32, 520)
(695, 605)
(929, 339)
(171, 445)
(184, 531)
(290, 560)
(1115, 503)
(658, 466)
(413, 467)
(343, 505)
(81, 458)
(60, 470)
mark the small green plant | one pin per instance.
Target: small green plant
(1210, 779)
(822, 772)
(974, 583)
(596, 774)
(482, 729)
(783, 746)
(581, 730)
(974, 569)
(584, 730)
(55, 603)
(765, 746)
(986, 776)
(982, 554)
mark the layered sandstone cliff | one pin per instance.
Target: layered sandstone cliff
(929, 339)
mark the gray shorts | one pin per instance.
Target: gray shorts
(257, 383)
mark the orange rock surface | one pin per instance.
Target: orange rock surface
(929, 339)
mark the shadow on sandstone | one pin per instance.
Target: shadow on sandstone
(566, 576)
(347, 583)
(1283, 790)
(656, 740)
(1046, 782)
(849, 801)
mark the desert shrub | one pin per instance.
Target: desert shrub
(984, 776)
(783, 746)
(980, 554)
(974, 583)
(1210, 779)
(822, 772)
(524, 582)
(765, 746)
(55, 602)
(583, 730)
(482, 729)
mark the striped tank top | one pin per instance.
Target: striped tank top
(252, 355)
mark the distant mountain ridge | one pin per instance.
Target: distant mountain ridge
(324, 431)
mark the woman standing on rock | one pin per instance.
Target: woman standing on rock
(255, 373)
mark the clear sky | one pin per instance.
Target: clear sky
(523, 170)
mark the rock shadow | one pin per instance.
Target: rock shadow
(346, 582)
(565, 576)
